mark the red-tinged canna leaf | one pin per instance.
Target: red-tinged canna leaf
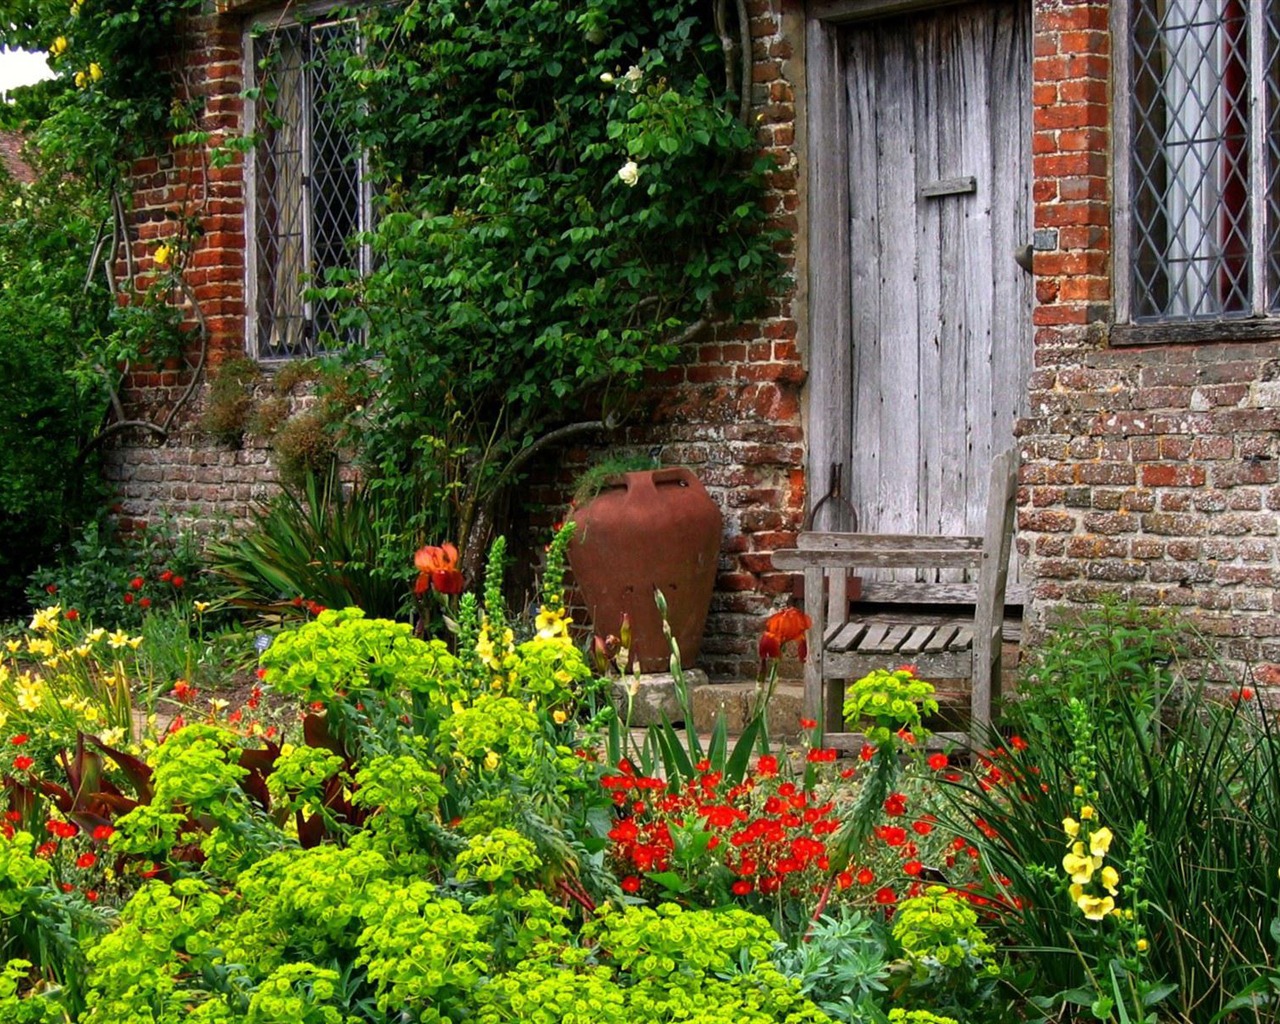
(136, 770)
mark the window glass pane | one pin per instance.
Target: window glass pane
(308, 189)
(1190, 160)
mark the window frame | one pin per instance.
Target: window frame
(272, 20)
(1257, 324)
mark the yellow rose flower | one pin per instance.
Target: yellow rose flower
(559, 717)
(81, 80)
(95, 72)
(162, 256)
(58, 47)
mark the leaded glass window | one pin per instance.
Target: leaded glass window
(308, 197)
(1203, 153)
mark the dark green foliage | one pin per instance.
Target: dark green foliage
(47, 411)
(1201, 771)
(105, 576)
(519, 281)
(319, 546)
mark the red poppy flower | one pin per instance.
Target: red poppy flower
(1018, 743)
(741, 887)
(136, 583)
(912, 868)
(72, 615)
(808, 723)
(895, 805)
(937, 761)
(767, 765)
(51, 588)
(1244, 693)
(166, 576)
(178, 581)
(103, 832)
(631, 884)
(867, 752)
(46, 850)
(145, 603)
(128, 598)
(12, 815)
(91, 895)
(22, 762)
(183, 690)
(86, 860)
(20, 739)
(866, 876)
(886, 895)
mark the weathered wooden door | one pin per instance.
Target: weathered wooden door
(936, 106)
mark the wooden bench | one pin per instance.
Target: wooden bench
(899, 622)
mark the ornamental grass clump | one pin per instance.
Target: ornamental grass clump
(1132, 831)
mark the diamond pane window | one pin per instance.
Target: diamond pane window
(1201, 187)
(308, 192)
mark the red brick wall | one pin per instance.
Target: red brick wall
(731, 411)
(1150, 471)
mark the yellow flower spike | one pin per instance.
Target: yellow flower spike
(1086, 813)
(1078, 790)
(1100, 842)
(1143, 945)
(1071, 827)
(1110, 879)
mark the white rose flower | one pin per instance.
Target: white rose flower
(629, 173)
(607, 78)
(632, 78)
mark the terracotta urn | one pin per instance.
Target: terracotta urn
(654, 530)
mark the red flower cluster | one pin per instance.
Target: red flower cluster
(770, 837)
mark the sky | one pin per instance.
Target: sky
(19, 68)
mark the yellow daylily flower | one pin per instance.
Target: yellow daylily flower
(46, 619)
(118, 639)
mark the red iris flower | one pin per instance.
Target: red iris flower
(782, 628)
(438, 567)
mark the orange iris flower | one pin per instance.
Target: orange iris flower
(437, 567)
(782, 628)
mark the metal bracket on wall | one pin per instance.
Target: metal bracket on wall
(835, 492)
